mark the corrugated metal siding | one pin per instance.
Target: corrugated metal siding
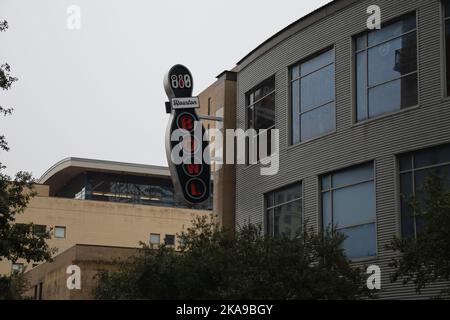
(376, 140)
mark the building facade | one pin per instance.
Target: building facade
(363, 118)
(219, 100)
(105, 203)
(48, 281)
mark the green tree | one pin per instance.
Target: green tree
(425, 259)
(13, 287)
(6, 80)
(17, 241)
(212, 263)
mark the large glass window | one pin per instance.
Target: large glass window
(386, 69)
(415, 169)
(145, 190)
(312, 97)
(284, 211)
(261, 116)
(447, 41)
(348, 204)
(37, 229)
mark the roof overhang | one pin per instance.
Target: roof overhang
(304, 22)
(63, 171)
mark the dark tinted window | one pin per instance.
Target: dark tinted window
(284, 211)
(348, 204)
(261, 117)
(124, 188)
(39, 229)
(386, 69)
(415, 170)
(169, 240)
(312, 97)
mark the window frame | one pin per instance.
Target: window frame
(321, 191)
(247, 94)
(291, 142)
(412, 171)
(165, 240)
(267, 208)
(65, 232)
(155, 234)
(36, 233)
(354, 70)
(22, 267)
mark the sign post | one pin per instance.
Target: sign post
(186, 149)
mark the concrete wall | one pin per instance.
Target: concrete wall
(90, 259)
(102, 223)
(222, 94)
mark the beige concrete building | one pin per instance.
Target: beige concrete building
(219, 100)
(48, 281)
(103, 203)
(101, 211)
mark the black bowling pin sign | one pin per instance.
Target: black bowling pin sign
(191, 176)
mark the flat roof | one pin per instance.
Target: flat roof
(63, 171)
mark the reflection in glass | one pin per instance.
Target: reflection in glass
(284, 216)
(317, 63)
(386, 70)
(326, 211)
(392, 59)
(360, 242)
(349, 205)
(393, 30)
(124, 188)
(287, 219)
(317, 89)
(295, 102)
(394, 95)
(265, 113)
(354, 175)
(260, 115)
(318, 121)
(433, 156)
(288, 194)
(354, 205)
(312, 99)
(423, 165)
(361, 85)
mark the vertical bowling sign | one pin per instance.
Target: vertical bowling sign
(191, 178)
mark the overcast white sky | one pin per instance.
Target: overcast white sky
(97, 92)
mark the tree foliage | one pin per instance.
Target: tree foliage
(212, 263)
(425, 259)
(6, 80)
(3, 25)
(13, 287)
(17, 241)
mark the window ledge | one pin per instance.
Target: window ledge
(299, 144)
(386, 115)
